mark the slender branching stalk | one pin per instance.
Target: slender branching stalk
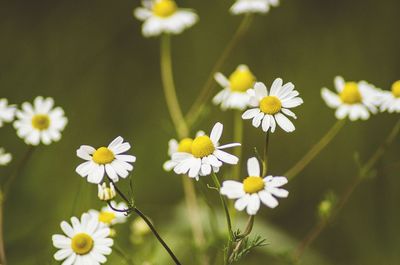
(247, 231)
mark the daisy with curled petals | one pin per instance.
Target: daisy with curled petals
(255, 189)
(253, 6)
(390, 100)
(234, 95)
(270, 108)
(5, 158)
(206, 155)
(84, 242)
(353, 100)
(7, 112)
(108, 216)
(40, 122)
(163, 16)
(109, 160)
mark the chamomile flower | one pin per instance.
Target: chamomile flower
(390, 100)
(270, 108)
(105, 193)
(255, 189)
(7, 112)
(105, 160)
(163, 16)
(206, 155)
(253, 6)
(234, 95)
(355, 100)
(40, 122)
(84, 242)
(5, 158)
(108, 216)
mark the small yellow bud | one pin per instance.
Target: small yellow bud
(106, 193)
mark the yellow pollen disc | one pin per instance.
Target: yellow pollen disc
(103, 155)
(106, 217)
(241, 80)
(164, 8)
(185, 145)
(202, 146)
(40, 122)
(350, 93)
(270, 105)
(253, 184)
(396, 89)
(82, 243)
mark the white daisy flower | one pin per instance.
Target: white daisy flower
(109, 160)
(253, 6)
(163, 16)
(85, 242)
(40, 122)
(271, 108)
(5, 158)
(355, 100)
(7, 112)
(255, 189)
(234, 95)
(206, 155)
(108, 216)
(390, 100)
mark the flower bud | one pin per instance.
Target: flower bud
(106, 193)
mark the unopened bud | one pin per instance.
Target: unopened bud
(106, 193)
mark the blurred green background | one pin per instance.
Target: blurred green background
(91, 58)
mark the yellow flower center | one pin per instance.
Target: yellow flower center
(253, 184)
(103, 155)
(350, 93)
(106, 217)
(164, 8)
(82, 243)
(40, 122)
(202, 146)
(270, 105)
(241, 80)
(396, 89)
(185, 145)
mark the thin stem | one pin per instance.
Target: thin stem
(237, 138)
(207, 89)
(247, 231)
(265, 156)
(315, 150)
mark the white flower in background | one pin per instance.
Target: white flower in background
(5, 158)
(183, 146)
(106, 193)
(7, 112)
(206, 155)
(271, 108)
(234, 95)
(355, 100)
(163, 16)
(253, 6)
(109, 160)
(255, 189)
(390, 100)
(108, 216)
(85, 242)
(40, 122)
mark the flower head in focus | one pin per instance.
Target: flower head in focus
(40, 122)
(271, 108)
(390, 100)
(5, 158)
(253, 6)
(163, 16)
(107, 216)
(108, 160)
(255, 189)
(7, 112)
(234, 93)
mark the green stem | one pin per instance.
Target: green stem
(247, 231)
(315, 150)
(265, 156)
(237, 138)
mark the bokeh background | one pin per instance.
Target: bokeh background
(90, 56)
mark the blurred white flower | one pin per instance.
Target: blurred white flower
(271, 108)
(234, 95)
(109, 160)
(106, 193)
(390, 100)
(5, 158)
(163, 16)
(206, 155)
(108, 216)
(85, 242)
(40, 122)
(355, 100)
(7, 112)
(253, 6)
(255, 189)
